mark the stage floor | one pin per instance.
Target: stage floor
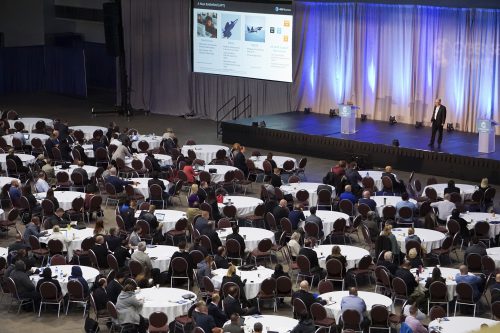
(375, 132)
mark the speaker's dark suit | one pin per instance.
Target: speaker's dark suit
(438, 121)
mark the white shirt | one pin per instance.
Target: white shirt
(436, 110)
(445, 208)
(60, 236)
(41, 186)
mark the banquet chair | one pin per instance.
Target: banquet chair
(58, 260)
(233, 249)
(346, 207)
(320, 318)
(122, 169)
(55, 246)
(83, 252)
(488, 265)
(224, 223)
(436, 312)
(37, 250)
(15, 298)
(101, 157)
(482, 231)
(240, 180)
(206, 242)
(113, 314)
(364, 268)
(383, 280)
(286, 226)
(324, 199)
(351, 319)
(354, 228)
(257, 218)
(400, 290)
(431, 181)
(284, 287)
(334, 271)
(135, 268)
(299, 307)
(405, 214)
(302, 197)
(363, 210)
(431, 194)
(17, 144)
(368, 184)
(179, 267)
(379, 318)
(10, 222)
(389, 213)
(338, 230)
(465, 297)
(301, 168)
(445, 249)
(438, 294)
(387, 185)
(495, 310)
(178, 231)
(267, 292)
(143, 146)
(177, 190)
(293, 179)
(158, 322)
(50, 296)
(112, 262)
(413, 244)
(76, 212)
(473, 263)
(325, 286)
(145, 234)
(367, 239)
(95, 207)
(209, 288)
(227, 286)
(230, 211)
(312, 230)
(37, 147)
(112, 195)
(263, 250)
(47, 208)
(80, 136)
(57, 156)
(76, 295)
(304, 269)
(139, 168)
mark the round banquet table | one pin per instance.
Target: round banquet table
(334, 300)
(221, 170)
(162, 255)
(328, 217)
(25, 158)
(258, 161)
(168, 218)
(254, 279)
(7, 180)
(244, 205)
(494, 221)
(387, 200)
(163, 159)
(447, 273)
(30, 122)
(375, 175)
(204, 152)
(431, 239)
(65, 198)
(142, 185)
(88, 273)
(3, 252)
(252, 236)
(76, 237)
(153, 141)
(494, 253)
(42, 137)
(309, 187)
(269, 323)
(466, 190)
(168, 300)
(353, 254)
(2, 214)
(461, 324)
(89, 168)
(88, 131)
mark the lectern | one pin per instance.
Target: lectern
(347, 119)
(486, 130)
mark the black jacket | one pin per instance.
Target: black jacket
(408, 278)
(311, 255)
(113, 242)
(121, 254)
(101, 252)
(218, 315)
(441, 115)
(306, 297)
(113, 289)
(221, 262)
(232, 305)
(240, 240)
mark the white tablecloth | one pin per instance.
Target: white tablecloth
(252, 236)
(376, 175)
(334, 300)
(431, 239)
(75, 237)
(254, 279)
(473, 218)
(462, 324)
(168, 300)
(43, 137)
(25, 158)
(309, 187)
(154, 141)
(328, 217)
(88, 273)
(168, 218)
(162, 253)
(29, 123)
(447, 273)
(466, 190)
(142, 186)
(494, 253)
(88, 131)
(353, 254)
(387, 200)
(218, 176)
(3, 252)
(65, 198)
(163, 159)
(89, 168)
(259, 161)
(244, 205)
(269, 323)
(204, 152)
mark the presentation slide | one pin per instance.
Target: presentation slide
(248, 39)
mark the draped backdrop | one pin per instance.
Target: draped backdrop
(387, 59)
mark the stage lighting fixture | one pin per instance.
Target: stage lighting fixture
(395, 143)
(307, 110)
(449, 127)
(419, 124)
(333, 113)
(262, 124)
(364, 117)
(392, 120)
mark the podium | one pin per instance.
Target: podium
(486, 140)
(347, 118)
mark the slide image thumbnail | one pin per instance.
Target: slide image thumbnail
(255, 30)
(231, 26)
(206, 25)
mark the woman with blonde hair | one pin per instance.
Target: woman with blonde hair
(231, 276)
(411, 236)
(414, 259)
(194, 195)
(294, 245)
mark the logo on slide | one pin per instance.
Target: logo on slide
(277, 9)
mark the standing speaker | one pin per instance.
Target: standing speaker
(112, 29)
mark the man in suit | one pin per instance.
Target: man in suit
(451, 188)
(59, 218)
(280, 211)
(122, 253)
(183, 254)
(101, 252)
(113, 240)
(213, 310)
(313, 258)
(235, 235)
(404, 273)
(438, 119)
(118, 183)
(232, 304)
(114, 287)
(220, 258)
(305, 296)
(203, 319)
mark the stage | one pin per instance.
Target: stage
(319, 135)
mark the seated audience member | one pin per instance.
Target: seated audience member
(122, 253)
(339, 168)
(58, 235)
(232, 304)
(157, 181)
(436, 276)
(403, 272)
(113, 240)
(80, 170)
(135, 236)
(354, 302)
(305, 324)
(414, 259)
(193, 197)
(236, 236)
(203, 319)
(239, 159)
(269, 158)
(115, 287)
(99, 228)
(234, 326)
(118, 183)
(372, 225)
(353, 176)
(21, 168)
(387, 263)
(18, 244)
(51, 197)
(202, 222)
(76, 274)
(313, 218)
(444, 207)
(100, 295)
(483, 187)
(127, 212)
(101, 252)
(183, 254)
(33, 229)
(220, 258)
(143, 258)
(451, 188)
(194, 211)
(169, 141)
(279, 272)
(476, 248)
(306, 296)
(413, 322)
(198, 247)
(397, 186)
(308, 252)
(464, 230)
(395, 249)
(294, 245)
(15, 193)
(150, 217)
(129, 309)
(281, 211)
(411, 236)
(232, 276)
(204, 268)
(41, 184)
(189, 172)
(367, 200)
(33, 203)
(296, 216)
(59, 218)
(495, 289)
(157, 168)
(474, 281)
(276, 178)
(25, 288)
(215, 311)
(47, 277)
(348, 195)
(405, 202)
(336, 254)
